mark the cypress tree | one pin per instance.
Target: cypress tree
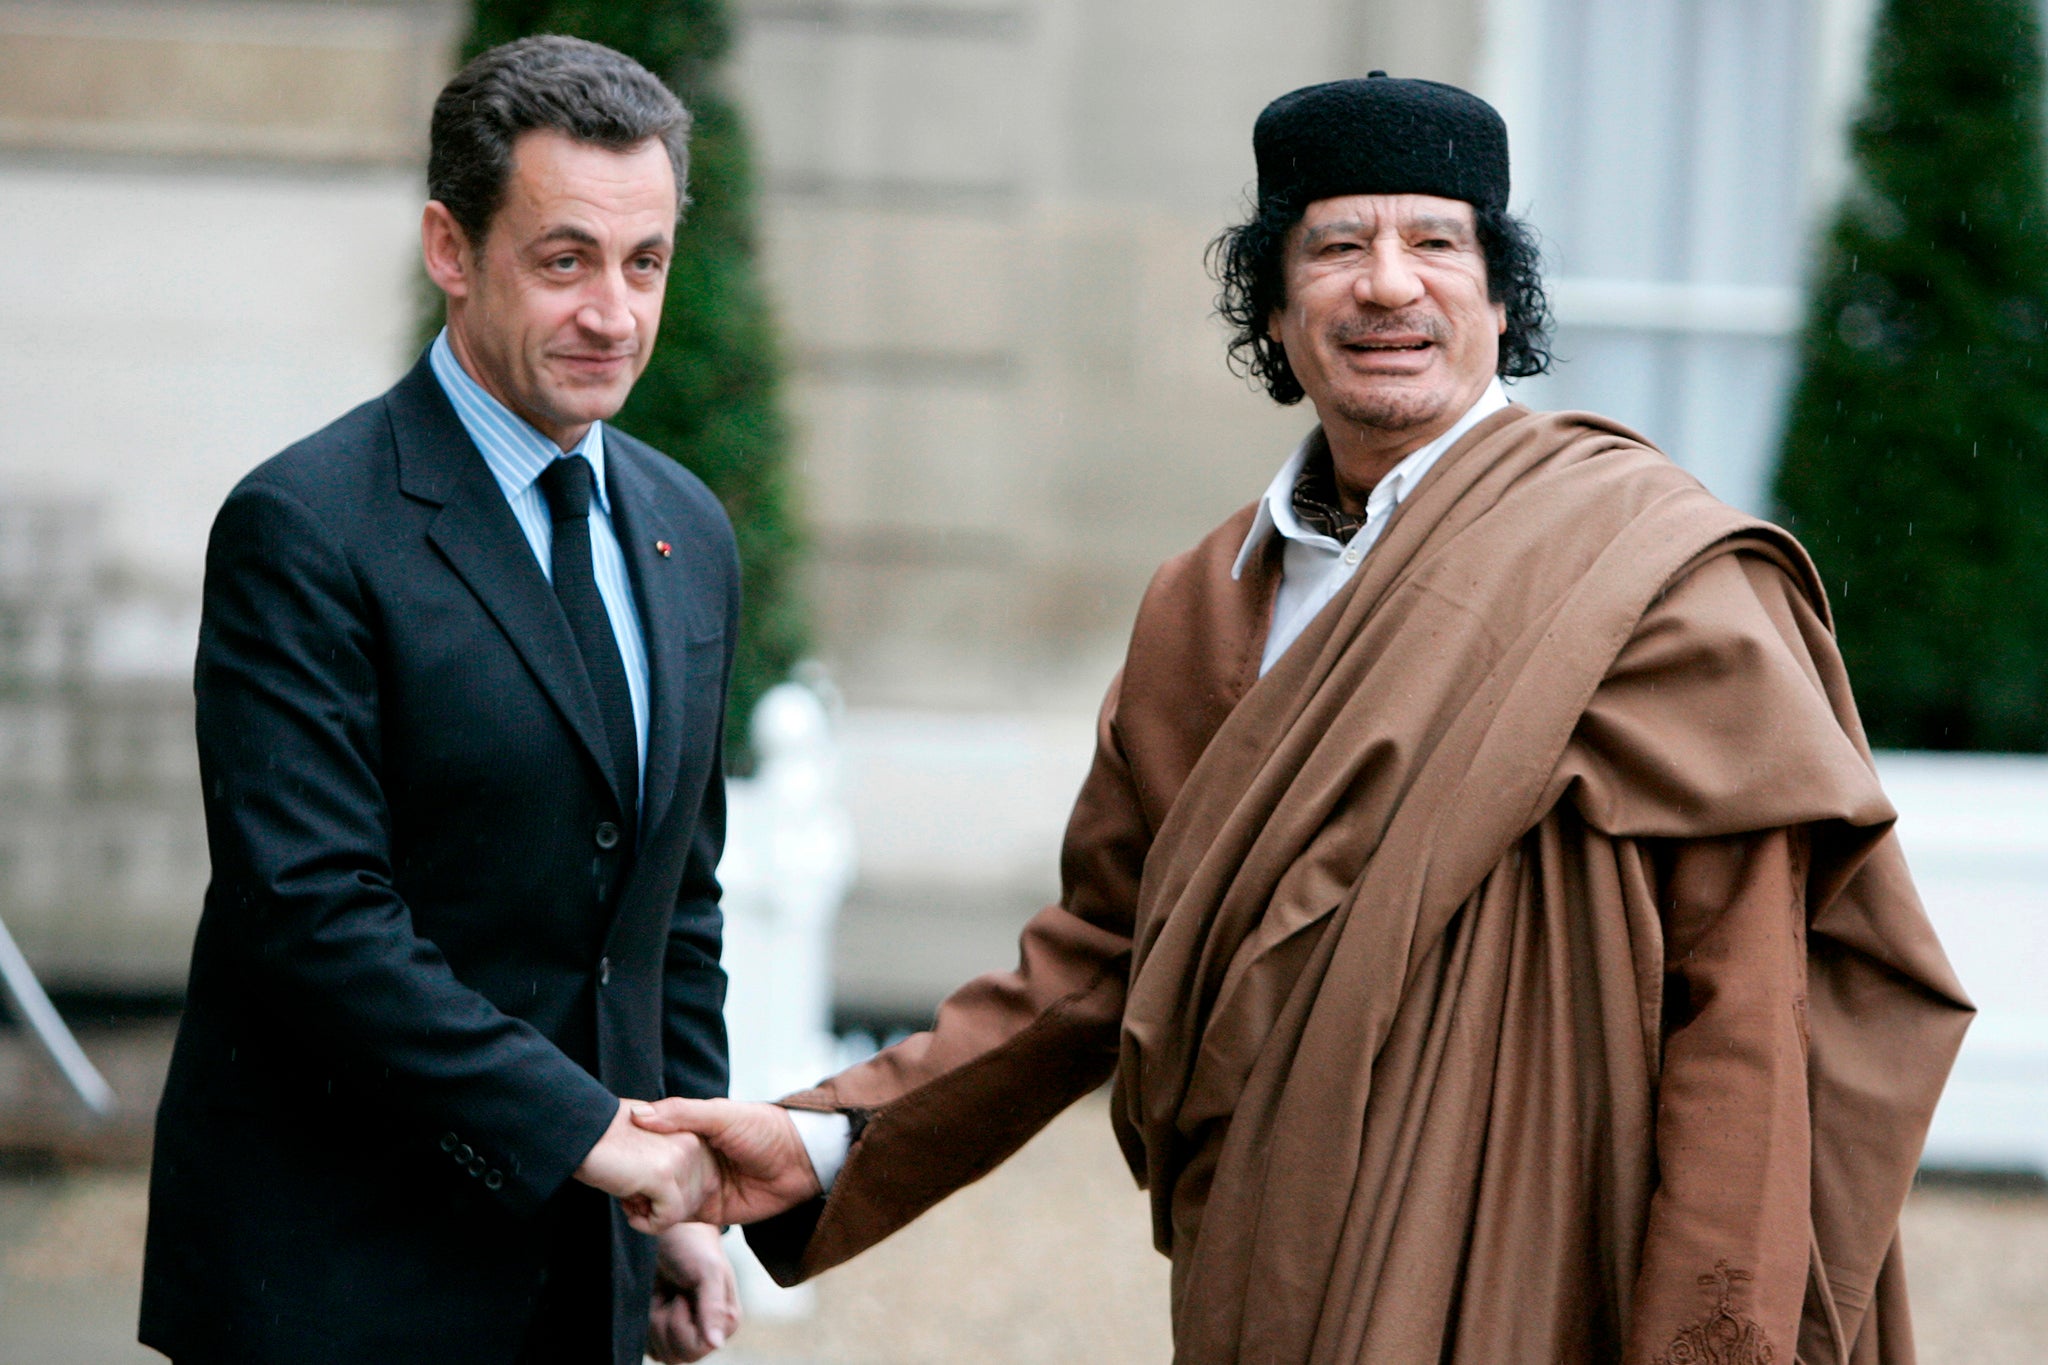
(709, 395)
(1915, 465)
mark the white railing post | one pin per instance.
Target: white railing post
(789, 861)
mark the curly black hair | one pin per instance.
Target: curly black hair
(1248, 261)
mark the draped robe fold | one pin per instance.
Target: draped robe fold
(1522, 970)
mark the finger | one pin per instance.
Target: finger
(718, 1305)
(713, 1302)
(671, 1336)
(650, 1214)
(688, 1333)
(661, 1343)
(681, 1116)
(662, 1215)
(688, 1173)
(698, 1175)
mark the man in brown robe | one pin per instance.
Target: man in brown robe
(1482, 895)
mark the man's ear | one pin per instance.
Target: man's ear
(444, 247)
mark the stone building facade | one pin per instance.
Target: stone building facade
(102, 847)
(208, 204)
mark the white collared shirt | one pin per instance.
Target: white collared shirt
(1314, 567)
(516, 453)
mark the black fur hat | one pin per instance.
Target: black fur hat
(1380, 135)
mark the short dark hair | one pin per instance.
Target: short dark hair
(1249, 262)
(565, 85)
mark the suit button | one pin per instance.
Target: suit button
(478, 1166)
(449, 1141)
(494, 1181)
(607, 835)
(463, 1155)
(604, 971)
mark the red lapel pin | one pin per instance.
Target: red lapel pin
(662, 548)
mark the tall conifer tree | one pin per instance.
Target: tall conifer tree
(709, 396)
(1915, 465)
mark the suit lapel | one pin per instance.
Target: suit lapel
(664, 619)
(477, 534)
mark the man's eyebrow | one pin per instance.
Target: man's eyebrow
(1435, 224)
(1439, 224)
(565, 233)
(1354, 226)
(579, 237)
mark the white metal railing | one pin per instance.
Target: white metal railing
(47, 1027)
(1975, 831)
(788, 864)
(1663, 306)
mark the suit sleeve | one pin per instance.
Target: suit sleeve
(1007, 1053)
(300, 834)
(695, 1061)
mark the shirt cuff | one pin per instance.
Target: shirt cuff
(826, 1138)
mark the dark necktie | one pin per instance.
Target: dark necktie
(567, 484)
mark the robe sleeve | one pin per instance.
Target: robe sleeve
(1713, 690)
(1725, 742)
(1725, 1250)
(1007, 1052)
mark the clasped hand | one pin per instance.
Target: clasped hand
(704, 1161)
(680, 1167)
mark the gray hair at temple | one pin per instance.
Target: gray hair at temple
(548, 82)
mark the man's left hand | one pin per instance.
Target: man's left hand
(696, 1299)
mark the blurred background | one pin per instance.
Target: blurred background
(944, 344)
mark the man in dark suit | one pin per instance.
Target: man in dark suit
(461, 673)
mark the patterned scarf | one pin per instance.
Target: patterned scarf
(1317, 504)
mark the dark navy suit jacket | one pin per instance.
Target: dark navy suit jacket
(430, 957)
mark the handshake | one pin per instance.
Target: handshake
(700, 1161)
(679, 1168)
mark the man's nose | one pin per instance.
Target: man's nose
(1389, 278)
(604, 312)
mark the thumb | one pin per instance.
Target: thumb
(718, 1308)
(706, 1117)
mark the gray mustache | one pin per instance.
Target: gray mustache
(1353, 333)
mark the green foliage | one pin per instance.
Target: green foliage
(1916, 456)
(674, 39)
(709, 396)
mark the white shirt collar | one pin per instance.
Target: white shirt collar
(1276, 507)
(514, 450)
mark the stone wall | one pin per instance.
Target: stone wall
(985, 229)
(102, 846)
(296, 82)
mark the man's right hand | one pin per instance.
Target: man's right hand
(761, 1167)
(658, 1178)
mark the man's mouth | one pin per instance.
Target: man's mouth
(1422, 344)
(596, 361)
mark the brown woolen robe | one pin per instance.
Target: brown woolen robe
(1523, 970)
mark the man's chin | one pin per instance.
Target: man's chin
(1393, 411)
(577, 405)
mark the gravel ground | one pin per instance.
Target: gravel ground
(1048, 1260)
(1978, 1266)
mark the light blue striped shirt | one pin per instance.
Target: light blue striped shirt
(516, 454)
